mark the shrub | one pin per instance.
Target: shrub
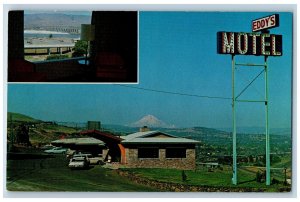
(258, 176)
(56, 57)
(183, 176)
(79, 48)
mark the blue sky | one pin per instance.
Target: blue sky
(178, 53)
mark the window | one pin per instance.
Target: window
(148, 153)
(176, 152)
(51, 35)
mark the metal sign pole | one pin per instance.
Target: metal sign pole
(234, 166)
(268, 178)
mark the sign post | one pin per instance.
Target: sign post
(234, 165)
(258, 44)
(268, 173)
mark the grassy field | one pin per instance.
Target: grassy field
(217, 178)
(46, 133)
(52, 174)
(58, 129)
(20, 117)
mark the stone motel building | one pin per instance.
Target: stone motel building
(144, 149)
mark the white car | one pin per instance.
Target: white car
(56, 150)
(90, 158)
(47, 147)
(78, 162)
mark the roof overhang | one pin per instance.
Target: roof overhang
(78, 141)
(160, 141)
(101, 135)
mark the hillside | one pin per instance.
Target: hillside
(56, 19)
(39, 131)
(20, 118)
(203, 134)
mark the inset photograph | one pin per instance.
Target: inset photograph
(58, 46)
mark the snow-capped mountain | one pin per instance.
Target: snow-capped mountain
(152, 122)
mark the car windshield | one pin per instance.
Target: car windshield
(78, 160)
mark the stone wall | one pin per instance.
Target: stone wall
(188, 163)
(177, 187)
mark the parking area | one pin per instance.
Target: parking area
(51, 173)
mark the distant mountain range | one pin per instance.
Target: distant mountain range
(214, 140)
(258, 130)
(152, 122)
(155, 124)
(218, 141)
(41, 20)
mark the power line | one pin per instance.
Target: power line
(175, 93)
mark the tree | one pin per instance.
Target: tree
(251, 159)
(80, 48)
(258, 176)
(56, 57)
(22, 135)
(275, 159)
(183, 176)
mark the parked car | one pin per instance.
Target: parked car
(78, 162)
(56, 150)
(70, 153)
(90, 158)
(47, 147)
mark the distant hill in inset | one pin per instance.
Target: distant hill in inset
(20, 117)
(56, 19)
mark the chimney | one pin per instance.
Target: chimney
(94, 125)
(144, 129)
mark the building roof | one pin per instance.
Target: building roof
(79, 141)
(153, 137)
(98, 134)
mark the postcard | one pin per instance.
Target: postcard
(149, 101)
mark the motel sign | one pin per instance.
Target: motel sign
(240, 43)
(259, 44)
(265, 23)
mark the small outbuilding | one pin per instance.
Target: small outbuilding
(155, 149)
(92, 145)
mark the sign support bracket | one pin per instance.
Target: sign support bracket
(266, 102)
